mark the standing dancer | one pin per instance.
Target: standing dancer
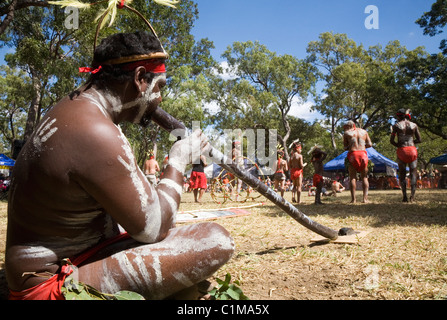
(296, 166)
(318, 156)
(408, 135)
(280, 176)
(356, 140)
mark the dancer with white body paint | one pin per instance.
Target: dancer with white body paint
(76, 181)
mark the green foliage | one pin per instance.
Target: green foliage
(434, 20)
(422, 80)
(227, 290)
(367, 85)
(262, 90)
(14, 99)
(74, 290)
(370, 85)
(52, 53)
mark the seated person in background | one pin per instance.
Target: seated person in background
(336, 187)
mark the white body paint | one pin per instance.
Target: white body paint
(148, 260)
(149, 206)
(172, 185)
(44, 132)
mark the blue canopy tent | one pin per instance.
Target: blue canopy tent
(439, 160)
(380, 162)
(5, 162)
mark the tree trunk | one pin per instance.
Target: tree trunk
(333, 128)
(34, 107)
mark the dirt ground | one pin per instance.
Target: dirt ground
(403, 256)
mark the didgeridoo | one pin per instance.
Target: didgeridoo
(169, 123)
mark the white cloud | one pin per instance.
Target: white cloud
(212, 107)
(303, 110)
(299, 108)
(228, 73)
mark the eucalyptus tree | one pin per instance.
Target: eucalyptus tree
(264, 88)
(434, 21)
(51, 53)
(340, 64)
(423, 83)
(360, 84)
(43, 49)
(14, 96)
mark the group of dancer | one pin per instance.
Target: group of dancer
(355, 141)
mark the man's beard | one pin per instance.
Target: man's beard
(147, 98)
(143, 117)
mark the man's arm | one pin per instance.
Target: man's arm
(112, 177)
(300, 161)
(203, 158)
(368, 142)
(393, 137)
(345, 141)
(417, 135)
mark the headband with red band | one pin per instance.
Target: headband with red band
(404, 115)
(149, 65)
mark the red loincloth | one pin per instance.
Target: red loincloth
(317, 179)
(295, 173)
(197, 180)
(407, 154)
(358, 159)
(51, 288)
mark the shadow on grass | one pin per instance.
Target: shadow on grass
(385, 210)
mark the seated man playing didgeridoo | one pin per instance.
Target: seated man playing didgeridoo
(76, 185)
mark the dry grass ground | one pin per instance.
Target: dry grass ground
(404, 256)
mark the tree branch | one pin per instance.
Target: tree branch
(17, 5)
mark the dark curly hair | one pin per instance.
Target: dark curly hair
(117, 46)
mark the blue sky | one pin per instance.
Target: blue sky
(287, 26)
